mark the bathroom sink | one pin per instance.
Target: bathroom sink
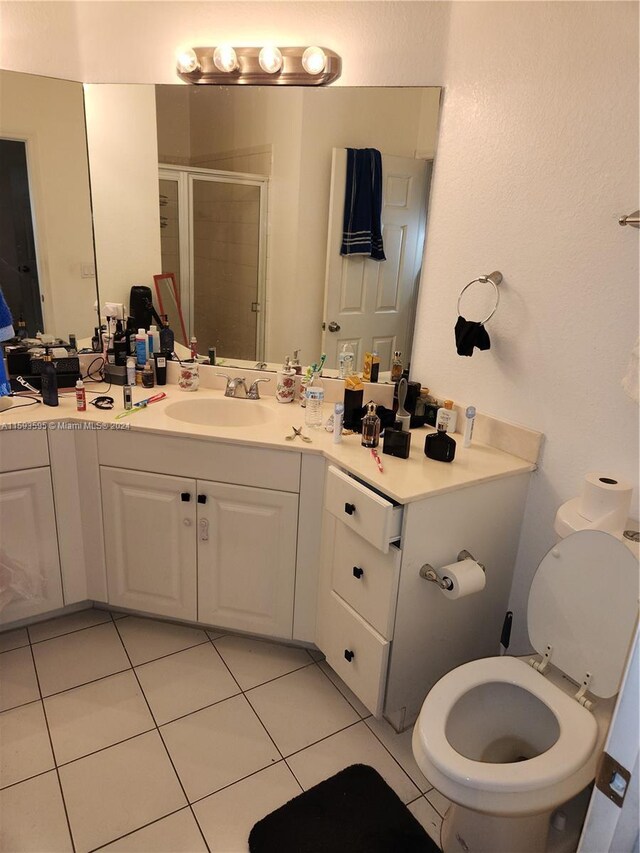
(224, 412)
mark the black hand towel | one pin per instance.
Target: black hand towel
(362, 229)
(470, 334)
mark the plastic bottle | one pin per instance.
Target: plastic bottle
(167, 338)
(153, 338)
(147, 376)
(131, 370)
(193, 343)
(338, 420)
(81, 397)
(447, 416)
(469, 420)
(345, 362)
(142, 354)
(315, 399)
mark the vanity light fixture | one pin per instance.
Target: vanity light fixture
(254, 66)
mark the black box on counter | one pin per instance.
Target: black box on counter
(353, 402)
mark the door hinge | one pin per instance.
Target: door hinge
(612, 779)
(255, 307)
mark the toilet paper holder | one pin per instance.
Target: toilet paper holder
(430, 574)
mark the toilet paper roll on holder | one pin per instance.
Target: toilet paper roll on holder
(430, 574)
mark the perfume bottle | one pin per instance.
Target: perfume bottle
(49, 381)
(396, 367)
(440, 446)
(371, 427)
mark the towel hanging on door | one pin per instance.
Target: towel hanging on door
(362, 229)
(6, 333)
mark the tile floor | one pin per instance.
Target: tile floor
(128, 734)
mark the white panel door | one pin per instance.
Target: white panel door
(246, 558)
(372, 301)
(150, 541)
(30, 581)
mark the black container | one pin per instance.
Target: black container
(160, 363)
(440, 446)
(140, 303)
(353, 409)
(49, 380)
(397, 443)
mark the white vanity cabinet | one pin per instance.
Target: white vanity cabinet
(387, 632)
(150, 541)
(30, 580)
(220, 550)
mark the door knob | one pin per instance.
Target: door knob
(333, 326)
(187, 522)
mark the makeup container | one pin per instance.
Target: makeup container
(160, 364)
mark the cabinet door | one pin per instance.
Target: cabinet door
(246, 558)
(30, 581)
(150, 541)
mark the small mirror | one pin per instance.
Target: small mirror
(168, 298)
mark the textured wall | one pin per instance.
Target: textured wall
(537, 158)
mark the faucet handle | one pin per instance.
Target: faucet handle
(254, 392)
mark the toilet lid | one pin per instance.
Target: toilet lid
(584, 603)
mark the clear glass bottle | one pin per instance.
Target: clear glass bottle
(396, 366)
(345, 362)
(371, 427)
(315, 398)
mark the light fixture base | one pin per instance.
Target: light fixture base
(249, 72)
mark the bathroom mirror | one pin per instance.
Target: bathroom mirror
(47, 266)
(248, 198)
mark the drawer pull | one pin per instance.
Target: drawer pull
(349, 508)
(357, 572)
(202, 499)
(185, 496)
(348, 655)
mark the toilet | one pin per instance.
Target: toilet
(509, 740)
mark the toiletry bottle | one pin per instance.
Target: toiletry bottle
(73, 344)
(315, 399)
(96, 341)
(370, 427)
(120, 345)
(338, 420)
(286, 383)
(211, 352)
(130, 333)
(147, 376)
(21, 329)
(153, 336)
(160, 366)
(193, 343)
(49, 380)
(345, 362)
(142, 355)
(81, 397)
(295, 362)
(469, 420)
(127, 397)
(447, 416)
(440, 446)
(131, 370)
(167, 338)
(396, 366)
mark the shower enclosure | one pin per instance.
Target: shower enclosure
(213, 227)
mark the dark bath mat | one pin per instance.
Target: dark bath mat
(354, 811)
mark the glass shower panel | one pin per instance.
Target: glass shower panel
(226, 251)
(169, 228)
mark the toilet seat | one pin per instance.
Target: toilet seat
(574, 745)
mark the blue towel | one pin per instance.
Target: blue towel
(6, 333)
(362, 231)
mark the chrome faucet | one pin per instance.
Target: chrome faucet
(253, 393)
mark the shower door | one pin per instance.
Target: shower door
(219, 256)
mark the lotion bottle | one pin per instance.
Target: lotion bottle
(447, 417)
(49, 380)
(286, 382)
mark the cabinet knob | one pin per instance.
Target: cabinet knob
(357, 572)
(202, 499)
(348, 655)
(186, 522)
(185, 496)
(349, 508)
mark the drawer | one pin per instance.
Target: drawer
(351, 637)
(376, 519)
(23, 448)
(366, 578)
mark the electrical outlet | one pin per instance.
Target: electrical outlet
(88, 270)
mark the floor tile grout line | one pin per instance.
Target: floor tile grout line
(241, 779)
(382, 743)
(133, 831)
(85, 683)
(104, 748)
(21, 705)
(162, 740)
(53, 752)
(64, 633)
(320, 740)
(275, 678)
(317, 663)
(27, 778)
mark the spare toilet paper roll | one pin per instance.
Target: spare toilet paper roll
(467, 577)
(605, 499)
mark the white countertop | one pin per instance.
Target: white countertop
(404, 480)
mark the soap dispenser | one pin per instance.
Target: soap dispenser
(286, 382)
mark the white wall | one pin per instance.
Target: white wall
(538, 156)
(123, 161)
(49, 116)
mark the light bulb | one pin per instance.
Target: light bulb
(314, 60)
(270, 59)
(225, 59)
(187, 61)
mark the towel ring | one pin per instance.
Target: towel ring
(494, 279)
